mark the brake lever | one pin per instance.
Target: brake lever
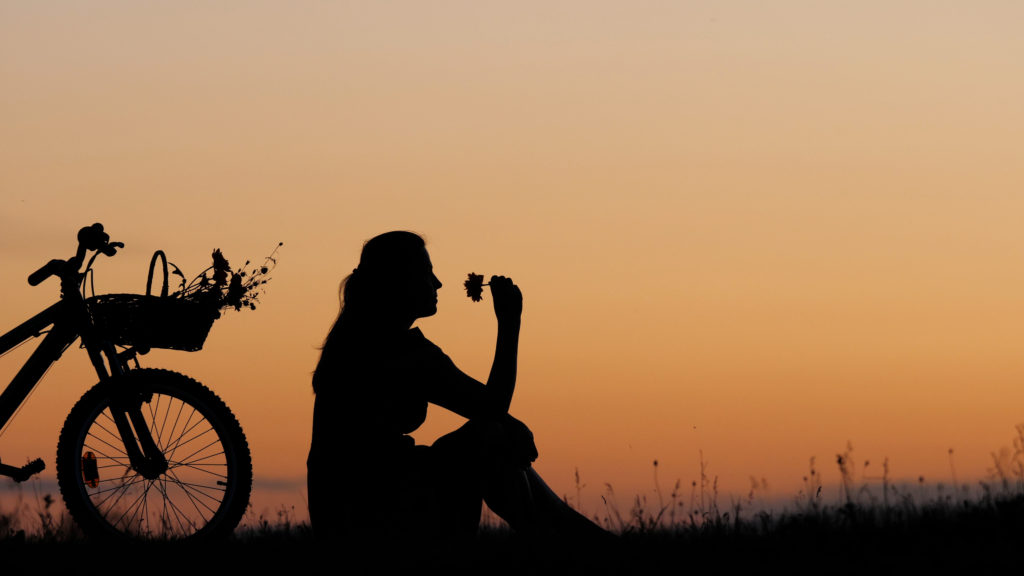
(111, 248)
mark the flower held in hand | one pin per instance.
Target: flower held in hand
(474, 287)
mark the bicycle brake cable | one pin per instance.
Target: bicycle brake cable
(91, 276)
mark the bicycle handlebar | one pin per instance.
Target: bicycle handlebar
(49, 269)
(89, 238)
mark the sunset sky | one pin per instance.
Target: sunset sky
(760, 230)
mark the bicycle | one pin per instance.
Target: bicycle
(146, 453)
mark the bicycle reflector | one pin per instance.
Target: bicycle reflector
(90, 471)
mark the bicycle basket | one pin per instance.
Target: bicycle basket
(152, 321)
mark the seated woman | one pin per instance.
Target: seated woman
(376, 375)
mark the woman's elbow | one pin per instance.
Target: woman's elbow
(494, 406)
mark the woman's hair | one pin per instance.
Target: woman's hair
(369, 295)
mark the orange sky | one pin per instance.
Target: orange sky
(756, 230)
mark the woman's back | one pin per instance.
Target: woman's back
(371, 393)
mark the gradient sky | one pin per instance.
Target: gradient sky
(758, 229)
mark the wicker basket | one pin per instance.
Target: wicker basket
(147, 321)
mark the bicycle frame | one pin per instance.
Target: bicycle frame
(68, 320)
(58, 339)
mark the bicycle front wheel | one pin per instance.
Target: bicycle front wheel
(204, 491)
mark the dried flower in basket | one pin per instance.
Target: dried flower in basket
(220, 287)
(475, 286)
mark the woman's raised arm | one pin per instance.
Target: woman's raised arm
(470, 398)
(508, 308)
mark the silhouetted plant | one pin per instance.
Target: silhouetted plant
(219, 287)
(1008, 466)
(10, 522)
(809, 498)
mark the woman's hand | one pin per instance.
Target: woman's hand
(508, 300)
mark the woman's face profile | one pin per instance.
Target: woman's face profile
(423, 286)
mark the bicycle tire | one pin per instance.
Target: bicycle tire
(203, 494)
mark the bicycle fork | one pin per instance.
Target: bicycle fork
(126, 409)
(145, 456)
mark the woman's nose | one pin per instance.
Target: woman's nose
(437, 283)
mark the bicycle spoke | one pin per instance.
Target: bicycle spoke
(201, 467)
(90, 447)
(197, 436)
(145, 516)
(139, 509)
(216, 440)
(136, 479)
(106, 414)
(178, 511)
(192, 455)
(170, 509)
(188, 493)
(167, 511)
(153, 411)
(120, 492)
(206, 474)
(104, 428)
(131, 507)
(181, 441)
(167, 415)
(169, 449)
(200, 461)
(101, 455)
(114, 465)
(168, 500)
(111, 480)
(160, 421)
(202, 488)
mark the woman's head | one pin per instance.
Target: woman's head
(394, 280)
(393, 285)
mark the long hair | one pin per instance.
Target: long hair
(369, 295)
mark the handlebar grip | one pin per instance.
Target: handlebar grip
(49, 269)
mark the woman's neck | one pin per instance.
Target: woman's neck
(382, 323)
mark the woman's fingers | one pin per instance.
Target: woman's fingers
(503, 285)
(508, 298)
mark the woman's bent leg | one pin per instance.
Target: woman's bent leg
(490, 460)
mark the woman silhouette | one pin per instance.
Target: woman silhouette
(376, 375)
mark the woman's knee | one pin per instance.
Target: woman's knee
(518, 441)
(503, 440)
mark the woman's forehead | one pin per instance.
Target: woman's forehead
(418, 260)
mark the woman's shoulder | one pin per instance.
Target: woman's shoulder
(415, 338)
(420, 345)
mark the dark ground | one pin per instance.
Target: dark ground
(975, 539)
